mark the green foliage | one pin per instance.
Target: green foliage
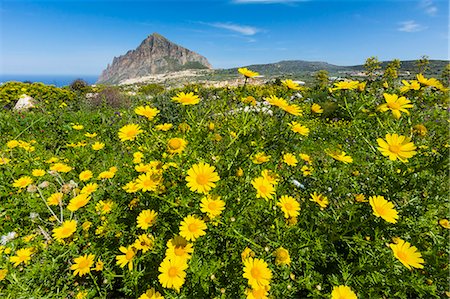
(371, 65)
(342, 244)
(151, 89)
(423, 64)
(10, 92)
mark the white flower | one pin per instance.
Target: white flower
(8, 237)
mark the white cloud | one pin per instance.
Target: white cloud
(266, 1)
(429, 7)
(410, 26)
(242, 29)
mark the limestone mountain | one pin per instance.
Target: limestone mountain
(155, 55)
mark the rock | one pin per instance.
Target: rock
(155, 55)
(25, 102)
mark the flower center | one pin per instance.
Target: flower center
(83, 264)
(192, 227)
(394, 148)
(173, 272)
(401, 255)
(175, 144)
(131, 133)
(256, 274)
(263, 189)
(129, 255)
(394, 105)
(202, 179)
(179, 251)
(212, 205)
(288, 206)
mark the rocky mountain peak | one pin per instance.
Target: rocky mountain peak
(155, 55)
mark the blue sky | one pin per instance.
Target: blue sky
(82, 37)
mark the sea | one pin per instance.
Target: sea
(57, 80)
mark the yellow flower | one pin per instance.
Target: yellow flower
(12, 143)
(298, 128)
(305, 158)
(290, 159)
(191, 228)
(146, 219)
(276, 101)
(4, 161)
(239, 172)
(178, 247)
(23, 182)
(420, 129)
(22, 256)
(291, 84)
(137, 157)
(99, 265)
(282, 257)
(172, 273)
(98, 146)
(343, 292)
(293, 109)
(131, 187)
(433, 82)
(306, 170)
(38, 172)
(89, 188)
(127, 258)
(85, 175)
(144, 242)
(260, 158)
(270, 176)
(289, 206)
(264, 189)
(186, 98)
(345, 85)
(60, 167)
(316, 108)
(247, 73)
(339, 155)
(151, 294)
(55, 199)
(77, 127)
(65, 230)
(176, 145)
(249, 100)
(444, 223)
(412, 85)
(129, 132)
(383, 208)
(90, 135)
(202, 177)
(360, 198)
(82, 264)
(246, 253)
(146, 111)
(104, 207)
(213, 206)
(396, 147)
(86, 225)
(321, 200)
(257, 272)
(395, 104)
(184, 127)
(3, 273)
(149, 181)
(260, 293)
(408, 255)
(78, 201)
(164, 127)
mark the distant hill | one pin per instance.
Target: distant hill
(155, 55)
(300, 67)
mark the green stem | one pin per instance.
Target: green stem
(95, 282)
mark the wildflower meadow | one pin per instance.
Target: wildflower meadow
(335, 190)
